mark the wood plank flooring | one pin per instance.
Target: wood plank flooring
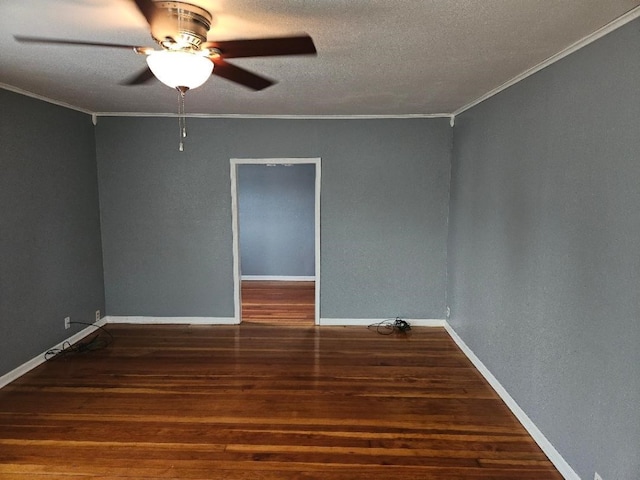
(278, 302)
(258, 402)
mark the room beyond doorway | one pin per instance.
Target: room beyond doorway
(311, 277)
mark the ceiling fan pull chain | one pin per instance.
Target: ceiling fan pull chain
(182, 120)
(184, 116)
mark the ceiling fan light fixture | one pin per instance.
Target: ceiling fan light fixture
(180, 69)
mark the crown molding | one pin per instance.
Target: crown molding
(276, 117)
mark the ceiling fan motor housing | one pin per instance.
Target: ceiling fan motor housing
(181, 26)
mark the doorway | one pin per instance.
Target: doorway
(265, 288)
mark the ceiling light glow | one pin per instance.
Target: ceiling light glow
(180, 69)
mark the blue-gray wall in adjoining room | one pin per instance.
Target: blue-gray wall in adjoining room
(167, 215)
(545, 249)
(276, 205)
(50, 252)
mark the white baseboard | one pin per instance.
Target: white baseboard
(414, 322)
(560, 463)
(172, 320)
(278, 278)
(40, 359)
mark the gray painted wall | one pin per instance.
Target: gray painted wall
(166, 215)
(544, 249)
(50, 253)
(276, 219)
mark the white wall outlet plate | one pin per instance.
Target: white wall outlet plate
(98, 317)
(67, 322)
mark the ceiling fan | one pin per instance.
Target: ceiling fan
(186, 59)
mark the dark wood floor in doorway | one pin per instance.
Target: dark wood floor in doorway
(257, 402)
(278, 302)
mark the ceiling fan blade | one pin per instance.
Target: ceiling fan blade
(265, 47)
(58, 41)
(143, 77)
(240, 75)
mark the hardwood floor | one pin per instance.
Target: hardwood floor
(263, 403)
(277, 302)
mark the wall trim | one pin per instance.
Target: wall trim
(278, 278)
(39, 359)
(346, 322)
(142, 320)
(278, 117)
(558, 461)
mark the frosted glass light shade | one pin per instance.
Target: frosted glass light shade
(180, 69)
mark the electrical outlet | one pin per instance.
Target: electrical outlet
(596, 476)
(98, 317)
(67, 322)
(448, 312)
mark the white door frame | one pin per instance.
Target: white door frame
(237, 300)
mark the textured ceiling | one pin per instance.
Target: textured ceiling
(375, 57)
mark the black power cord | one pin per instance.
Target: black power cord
(97, 342)
(402, 325)
(387, 327)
